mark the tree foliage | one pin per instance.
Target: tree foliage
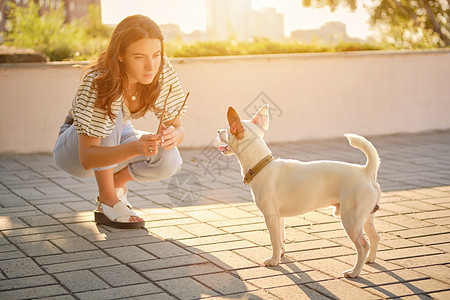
(258, 46)
(414, 23)
(404, 23)
(49, 34)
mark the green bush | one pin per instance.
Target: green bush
(79, 40)
(259, 46)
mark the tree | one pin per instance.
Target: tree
(49, 34)
(46, 33)
(405, 23)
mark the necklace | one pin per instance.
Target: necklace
(133, 97)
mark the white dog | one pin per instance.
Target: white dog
(283, 188)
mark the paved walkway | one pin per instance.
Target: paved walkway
(205, 238)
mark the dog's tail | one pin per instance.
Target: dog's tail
(373, 160)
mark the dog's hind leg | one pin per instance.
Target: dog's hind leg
(354, 230)
(373, 236)
(283, 237)
(273, 225)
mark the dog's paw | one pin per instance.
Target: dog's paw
(271, 262)
(370, 260)
(350, 273)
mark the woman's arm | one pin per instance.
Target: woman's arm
(172, 135)
(92, 155)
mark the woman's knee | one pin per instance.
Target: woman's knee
(171, 163)
(166, 165)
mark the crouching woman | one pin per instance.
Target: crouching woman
(97, 139)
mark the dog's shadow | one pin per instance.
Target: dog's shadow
(416, 291)
(311, 288)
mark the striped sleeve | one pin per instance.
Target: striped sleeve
(88, 119)
(176, 98)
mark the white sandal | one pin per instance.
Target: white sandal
(122, 195)
(117, 216)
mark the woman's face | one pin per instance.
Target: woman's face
(142, 59)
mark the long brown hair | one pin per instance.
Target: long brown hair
(112, 79)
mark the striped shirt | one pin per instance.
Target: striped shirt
(94, 122)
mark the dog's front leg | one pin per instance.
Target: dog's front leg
(283, 237)
(273, 225)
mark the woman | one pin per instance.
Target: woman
(130, 78)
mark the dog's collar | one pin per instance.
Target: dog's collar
(256, 169)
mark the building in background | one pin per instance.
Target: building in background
(267, 22)
(236, 20)
(231, 19)
(330, 32)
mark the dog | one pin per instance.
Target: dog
(285, 187)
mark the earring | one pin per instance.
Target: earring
(120, 60)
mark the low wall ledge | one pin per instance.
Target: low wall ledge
(234, 58)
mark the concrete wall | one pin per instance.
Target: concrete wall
(312, 96)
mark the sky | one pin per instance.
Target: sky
(190, 15)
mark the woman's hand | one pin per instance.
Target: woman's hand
(172, 135)
(168, 137)
(148, 144)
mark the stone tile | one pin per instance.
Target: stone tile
(164, 249)
(186, 288)
(208, 240)
(233, 213)
(42, 237)
(201, 229)
(48, 291)
(228, 260)
(170, 262)
(119, 275)
(252, 295)
(234, 245)
(39, 248)
(171, 232)
(129, 254)
(400, 290)
(184, 271)
(330, 266)
(319, 253)
(53, 208)
(80, 265)
(34, 230)
(132, 241)
(296, 292)
(432, 239)
(26, 282)
(70, 257)
(74, 244)
(225, 283)
(423, 261)
(440, 295)
(36, 221)
(406, 253)
(388, 277)
(261, 237)
(80, 281)
(20, 267)
(289, 279)
(140, 291)
(406, 221)
(341, 289)
(11, 223)
(205, 215)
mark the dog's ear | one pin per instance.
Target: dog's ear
(261, 118)
(236, 127)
